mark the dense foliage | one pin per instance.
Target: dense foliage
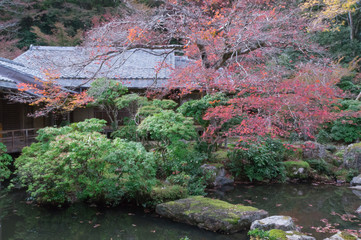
(167, 127)
(5, 162)
(75, 163)
(105, 93)
(259, 161)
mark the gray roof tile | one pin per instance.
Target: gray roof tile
(75, 63)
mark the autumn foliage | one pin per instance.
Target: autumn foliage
(238, 48)
(49, 97)
(258, 52)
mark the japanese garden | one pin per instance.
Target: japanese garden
(185, 120)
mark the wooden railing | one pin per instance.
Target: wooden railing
(15, 140)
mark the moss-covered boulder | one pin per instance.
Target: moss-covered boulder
(297, 169)
(284, 223)
(343, 236)
(211, 214)
(352, 156)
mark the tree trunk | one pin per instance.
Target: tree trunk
(358, 96)
(352, 31)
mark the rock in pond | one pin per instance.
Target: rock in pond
(284, 223)
(219, 177)
(211, 214)
(289, 235)
(356, 181)
(358, 211)
(343, 236)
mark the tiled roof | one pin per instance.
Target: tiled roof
(13, 73)
(136, 67)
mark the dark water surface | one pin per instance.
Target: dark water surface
(307, 203)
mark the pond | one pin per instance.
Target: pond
(312, 206)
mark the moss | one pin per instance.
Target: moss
(216, 208)
(231, 220)
(218, 204)
(221, 155)
(168, 193)
(293, 166)
(340, 153)
(347, 236)
(278, 234)
(356, 145)
(297, 164)
(217, 165)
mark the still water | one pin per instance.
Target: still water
(309, 205)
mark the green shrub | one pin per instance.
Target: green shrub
(66, 170)
(351, 173)
(85, 166)
(166, 127)
(128, 132)
(259, 161)
(135, 168)
(323, 136)
(105, 93)
(167, 193)
(165, 104)
(90, 125)
(182, 165)
(181, 179)
(147, 111)
(321, 166)
(197, 108)
(48, 134)
(346, 130)
(5, 162)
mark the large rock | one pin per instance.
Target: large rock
(298, 236)
(356, 181)
(343, 236)
(284, 223)
(358, 211)
(314, 150)
(289, 235)
(211, 214)
(357, 191)
(352, 156)
(219, 177)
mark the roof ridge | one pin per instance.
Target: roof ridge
(11, 62)
(53, 48)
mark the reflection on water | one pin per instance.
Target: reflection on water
(308, 204)
(20, 220)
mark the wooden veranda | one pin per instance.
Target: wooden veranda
(15, 140)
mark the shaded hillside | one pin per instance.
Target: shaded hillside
(50, 22)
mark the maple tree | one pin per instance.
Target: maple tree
(236, 47)
(48, 96)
